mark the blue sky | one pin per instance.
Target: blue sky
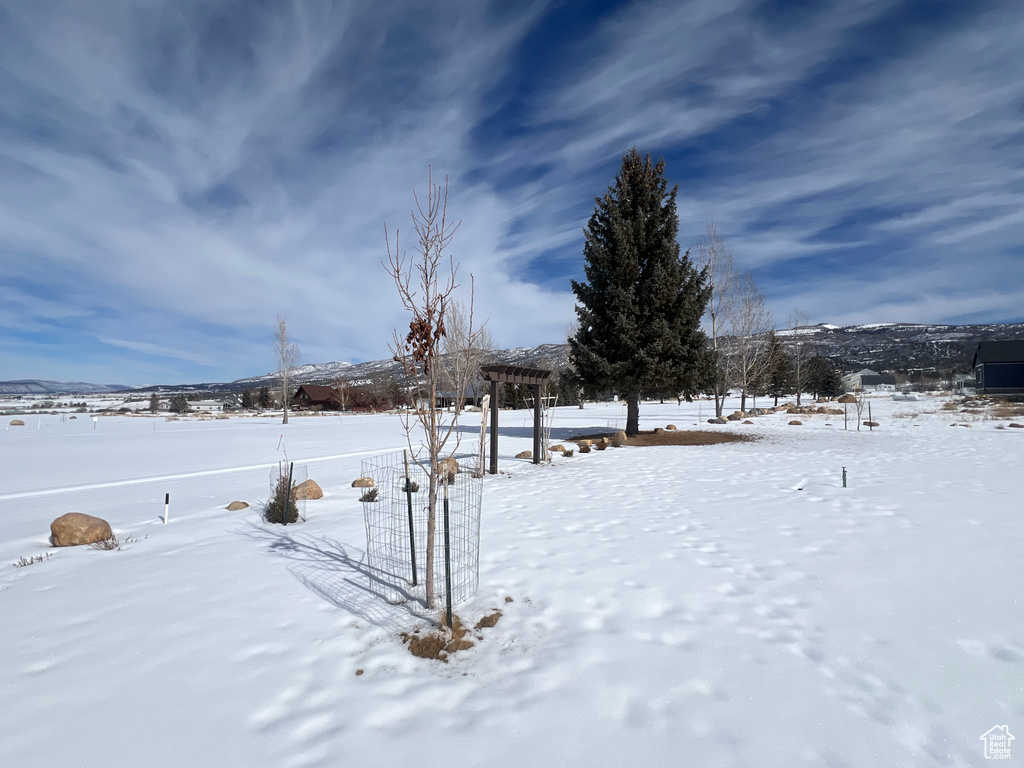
(175, 174)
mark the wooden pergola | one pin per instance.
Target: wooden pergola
(514, 374)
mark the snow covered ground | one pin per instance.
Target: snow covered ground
(728, 605)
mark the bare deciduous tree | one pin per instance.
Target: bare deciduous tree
(426, 283)
(798, 351)
(344, 391)
(465, 350)
(286, 355)
(714, 256)
(750, 322)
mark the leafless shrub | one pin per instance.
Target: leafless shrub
(23, 561)
(114, 543)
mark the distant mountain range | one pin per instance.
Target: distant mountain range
(879, 346)
(901, 347)
(41, 387)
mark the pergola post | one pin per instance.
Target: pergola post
(494, 427)
(537, 431)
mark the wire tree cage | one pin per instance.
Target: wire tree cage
(396, 531)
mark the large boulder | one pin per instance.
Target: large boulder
(795, 423)
(235, 506)
(307, 490)
(619, 439)
(363, 482)
(847, 398)
(718, 420)
(524, 455)
(75, 529)
(17, 423)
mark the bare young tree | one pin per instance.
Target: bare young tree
(714, 256)
(344, 391)
(750, 322)
(286, 355)
(465, 350)
(382, 389)
(798, 351)
(426, 283)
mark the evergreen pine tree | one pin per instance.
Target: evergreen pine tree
(822, 378)
(640, 308)
(248, 399)
(779, 378)
(264, 397)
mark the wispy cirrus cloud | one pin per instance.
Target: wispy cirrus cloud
(176, 174)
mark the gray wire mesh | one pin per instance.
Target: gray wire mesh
(389, 555)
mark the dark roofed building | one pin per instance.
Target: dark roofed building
(311, 395)
(999, 368)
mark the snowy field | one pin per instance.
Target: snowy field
(727, 605)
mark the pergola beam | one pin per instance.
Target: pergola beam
(515, 374)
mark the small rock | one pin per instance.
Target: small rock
(558, 448)
(658, 430)
(670, 427)
(307, 490)
(747, 421)
(847, 398)
(363, 482)
(795, 423)
(75, 529)
(17, 423)
(870, 423)
(964, 425)
(524, 455)
(234, 506)
(1016, 426)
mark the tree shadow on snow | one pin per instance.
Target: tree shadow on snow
(341, 575)
(557, 433)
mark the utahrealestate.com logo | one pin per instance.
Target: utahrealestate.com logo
(997, 742)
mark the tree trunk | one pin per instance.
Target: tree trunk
(431, 528)
(632, 413)
(743, 399)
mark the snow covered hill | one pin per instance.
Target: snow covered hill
(42, 387)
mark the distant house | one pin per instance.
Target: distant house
(205, 406)
(963, 384)
(869, 381)
(311, 395)
(999, 368)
